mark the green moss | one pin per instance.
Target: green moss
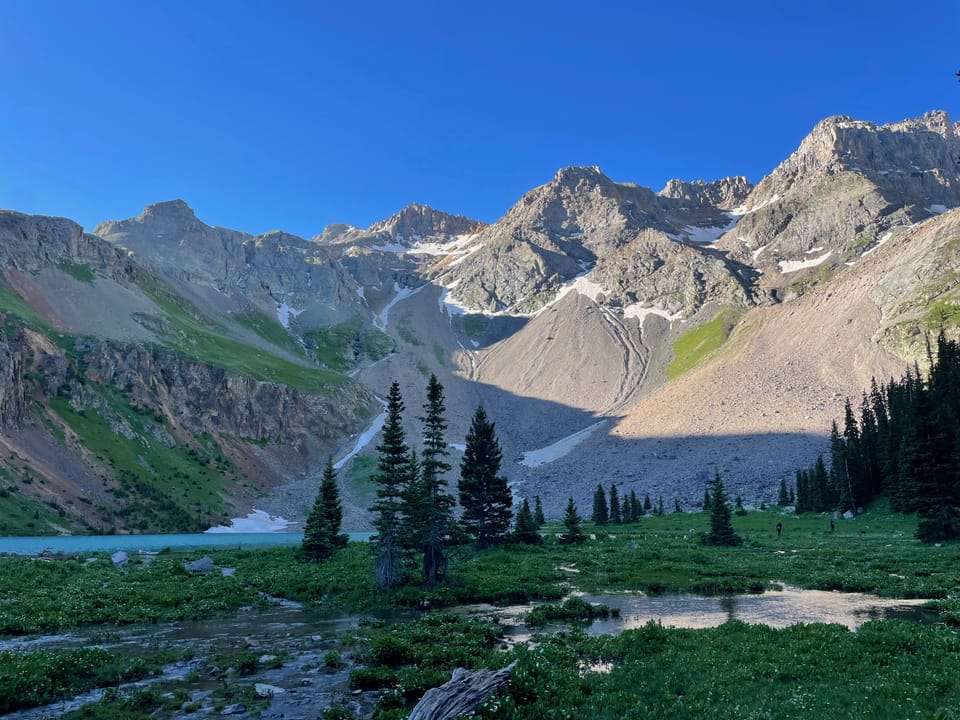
(11, 303)
(699, 343)
(408, 335)
(440, 354)
(942, 313)
(377, 345)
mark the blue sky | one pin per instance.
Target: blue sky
(265, 115)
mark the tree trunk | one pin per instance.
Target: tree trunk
(461, 694)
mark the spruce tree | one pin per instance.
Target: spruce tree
(721, 529)
(435, 517)
(538, 517)
(526, 526)
(616, 512)
(660, 510)
(676, 505)
(600, 514)
(484, 493)
(647, 505)
(706, 499)
(321, 534)
(784, 499)
(391, 478)
(572, 522)
(636, 512)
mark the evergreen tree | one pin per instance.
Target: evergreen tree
(791, 498)
(676, 505)
(321, 534)
(616, 513)
(572, 522)
(391, 478)
(706, 499)
(600, 514)
(636, 512)
(784, 499)
(839, 486)
(538, 517)
(738, 506)
(484, 493)
(647, 505)
(660, 510)
(721, 529)
(432, 521)
(526, 526)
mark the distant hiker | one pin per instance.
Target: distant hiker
(779, 528)
(832, 525)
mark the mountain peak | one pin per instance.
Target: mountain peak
(573, 174)
(422, 221)
(169, 210)
(726, 193)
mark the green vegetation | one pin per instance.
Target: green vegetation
(700, 343)
(886, 669)
(28, 679)
(20, 515)
(440, 354)
(270, 330)
(158, 488)
(11, 303)
(474, 325)
(196, 336)
(942, 314)
(570, 610)
(83, 273)
(341, 346)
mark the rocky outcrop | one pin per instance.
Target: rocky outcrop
(204, 398)
(848, 184)
(269, 270)
(726, 194)
(418, 222)
(13, 394)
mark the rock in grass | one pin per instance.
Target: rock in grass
(235, 709)
(263, 690)
(119, 558)
(204, 564)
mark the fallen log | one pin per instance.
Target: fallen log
(461, 694)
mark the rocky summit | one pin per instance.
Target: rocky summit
(163, 374)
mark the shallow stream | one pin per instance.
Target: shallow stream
(302, 636)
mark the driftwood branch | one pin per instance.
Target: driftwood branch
(461, 694)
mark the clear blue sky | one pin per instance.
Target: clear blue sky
(294, 115)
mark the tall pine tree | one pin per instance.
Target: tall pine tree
(484, 493)
(433, 518)
(391, 478)
(573, 524)
(616, 514)
(600, 514)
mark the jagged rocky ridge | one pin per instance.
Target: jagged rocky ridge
(624, 272)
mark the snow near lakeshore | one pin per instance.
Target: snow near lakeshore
(788, 266)
(536, 458)
(365, 437)
(285, 312)
(256, 522)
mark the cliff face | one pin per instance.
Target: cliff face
(203, 398)
(12, 391)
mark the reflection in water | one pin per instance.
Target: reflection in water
(776, 609)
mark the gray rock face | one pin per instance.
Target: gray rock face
(269, 270)
(726, 194)
(848, 184)
(12, 388)
(204, 564)
(420, 222)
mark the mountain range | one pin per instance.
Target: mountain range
(163, 374)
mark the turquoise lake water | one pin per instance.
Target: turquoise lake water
(150, 543)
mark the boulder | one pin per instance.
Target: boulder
(119, 558)
(204, 564)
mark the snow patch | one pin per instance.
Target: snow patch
(787, 266)
(743, 210)
(459, 446)
(536, 458)
(450, 304)
(381, 319)
(883, 241)
(256, 522)
(708, 235)
(365, 437)
(285, 313)
(811, 251)
(583, 286)
(936, 209)
(640, 312)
